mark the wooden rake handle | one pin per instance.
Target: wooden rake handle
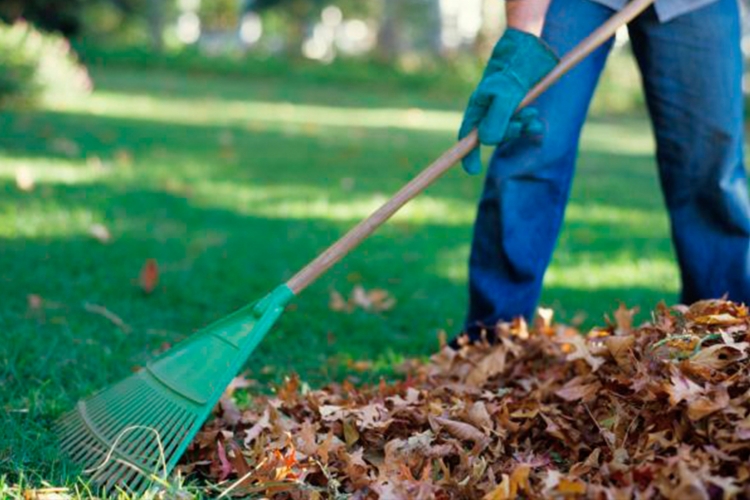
(361, 231)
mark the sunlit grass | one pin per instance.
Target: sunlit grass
(212, 111)
(232, 194)
(615, 137)
(305, 202)
(49, 170)
(587, 272)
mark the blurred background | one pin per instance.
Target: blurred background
(164, 161)
(438, 44)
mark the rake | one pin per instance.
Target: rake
(135, 431)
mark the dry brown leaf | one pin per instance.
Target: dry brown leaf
(719, 356)
(239, 382)
(511, 486)
(619, 348)
(571, 486)
(579, 389)
(715, 399)
(306, 439)
(581, 351)
(376, 300)
(229, 411)
(682, 388)
(489, 366)
(256, 430)
(502, 491)
(149, 276)
(479, 416)
(461, 430)
(34, 301)
(719, 319)
(624, 319)
(48, 494)
(337, 303)
(351, 434)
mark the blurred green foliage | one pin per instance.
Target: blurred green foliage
(448, 81)
(50, 15)
(451, 79)
(141, 34)
(32, 62)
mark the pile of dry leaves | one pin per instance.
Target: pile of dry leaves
(660, 411)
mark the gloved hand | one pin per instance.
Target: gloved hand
(519, 61)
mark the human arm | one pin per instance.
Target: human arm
(527, 15)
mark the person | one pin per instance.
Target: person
(690, 59)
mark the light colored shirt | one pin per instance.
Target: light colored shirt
(665, 9)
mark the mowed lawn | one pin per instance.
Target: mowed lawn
(232, 185)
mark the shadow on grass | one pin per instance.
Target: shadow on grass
(341, 165)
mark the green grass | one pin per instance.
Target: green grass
(233, 184)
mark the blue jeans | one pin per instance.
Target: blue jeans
(692, 71)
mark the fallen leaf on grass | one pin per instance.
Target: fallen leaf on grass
(239, 382)
(337, 302)
(362, 365)
(374, 300)
(149, 276)
(100, 233)
(25, 179)
(123, 158)
(48, 494)
(65, 146)
(35, 303)
(109, 315)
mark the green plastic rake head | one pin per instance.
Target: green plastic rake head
(135, 431)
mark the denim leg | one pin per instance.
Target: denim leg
(528, 182)
(692, 70)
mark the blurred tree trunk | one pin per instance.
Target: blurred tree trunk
(435, 19)
(155, 18)
(300, 12)
(388, 44)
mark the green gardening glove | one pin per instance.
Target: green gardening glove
(519, 61)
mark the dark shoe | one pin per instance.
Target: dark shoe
(474, 335)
